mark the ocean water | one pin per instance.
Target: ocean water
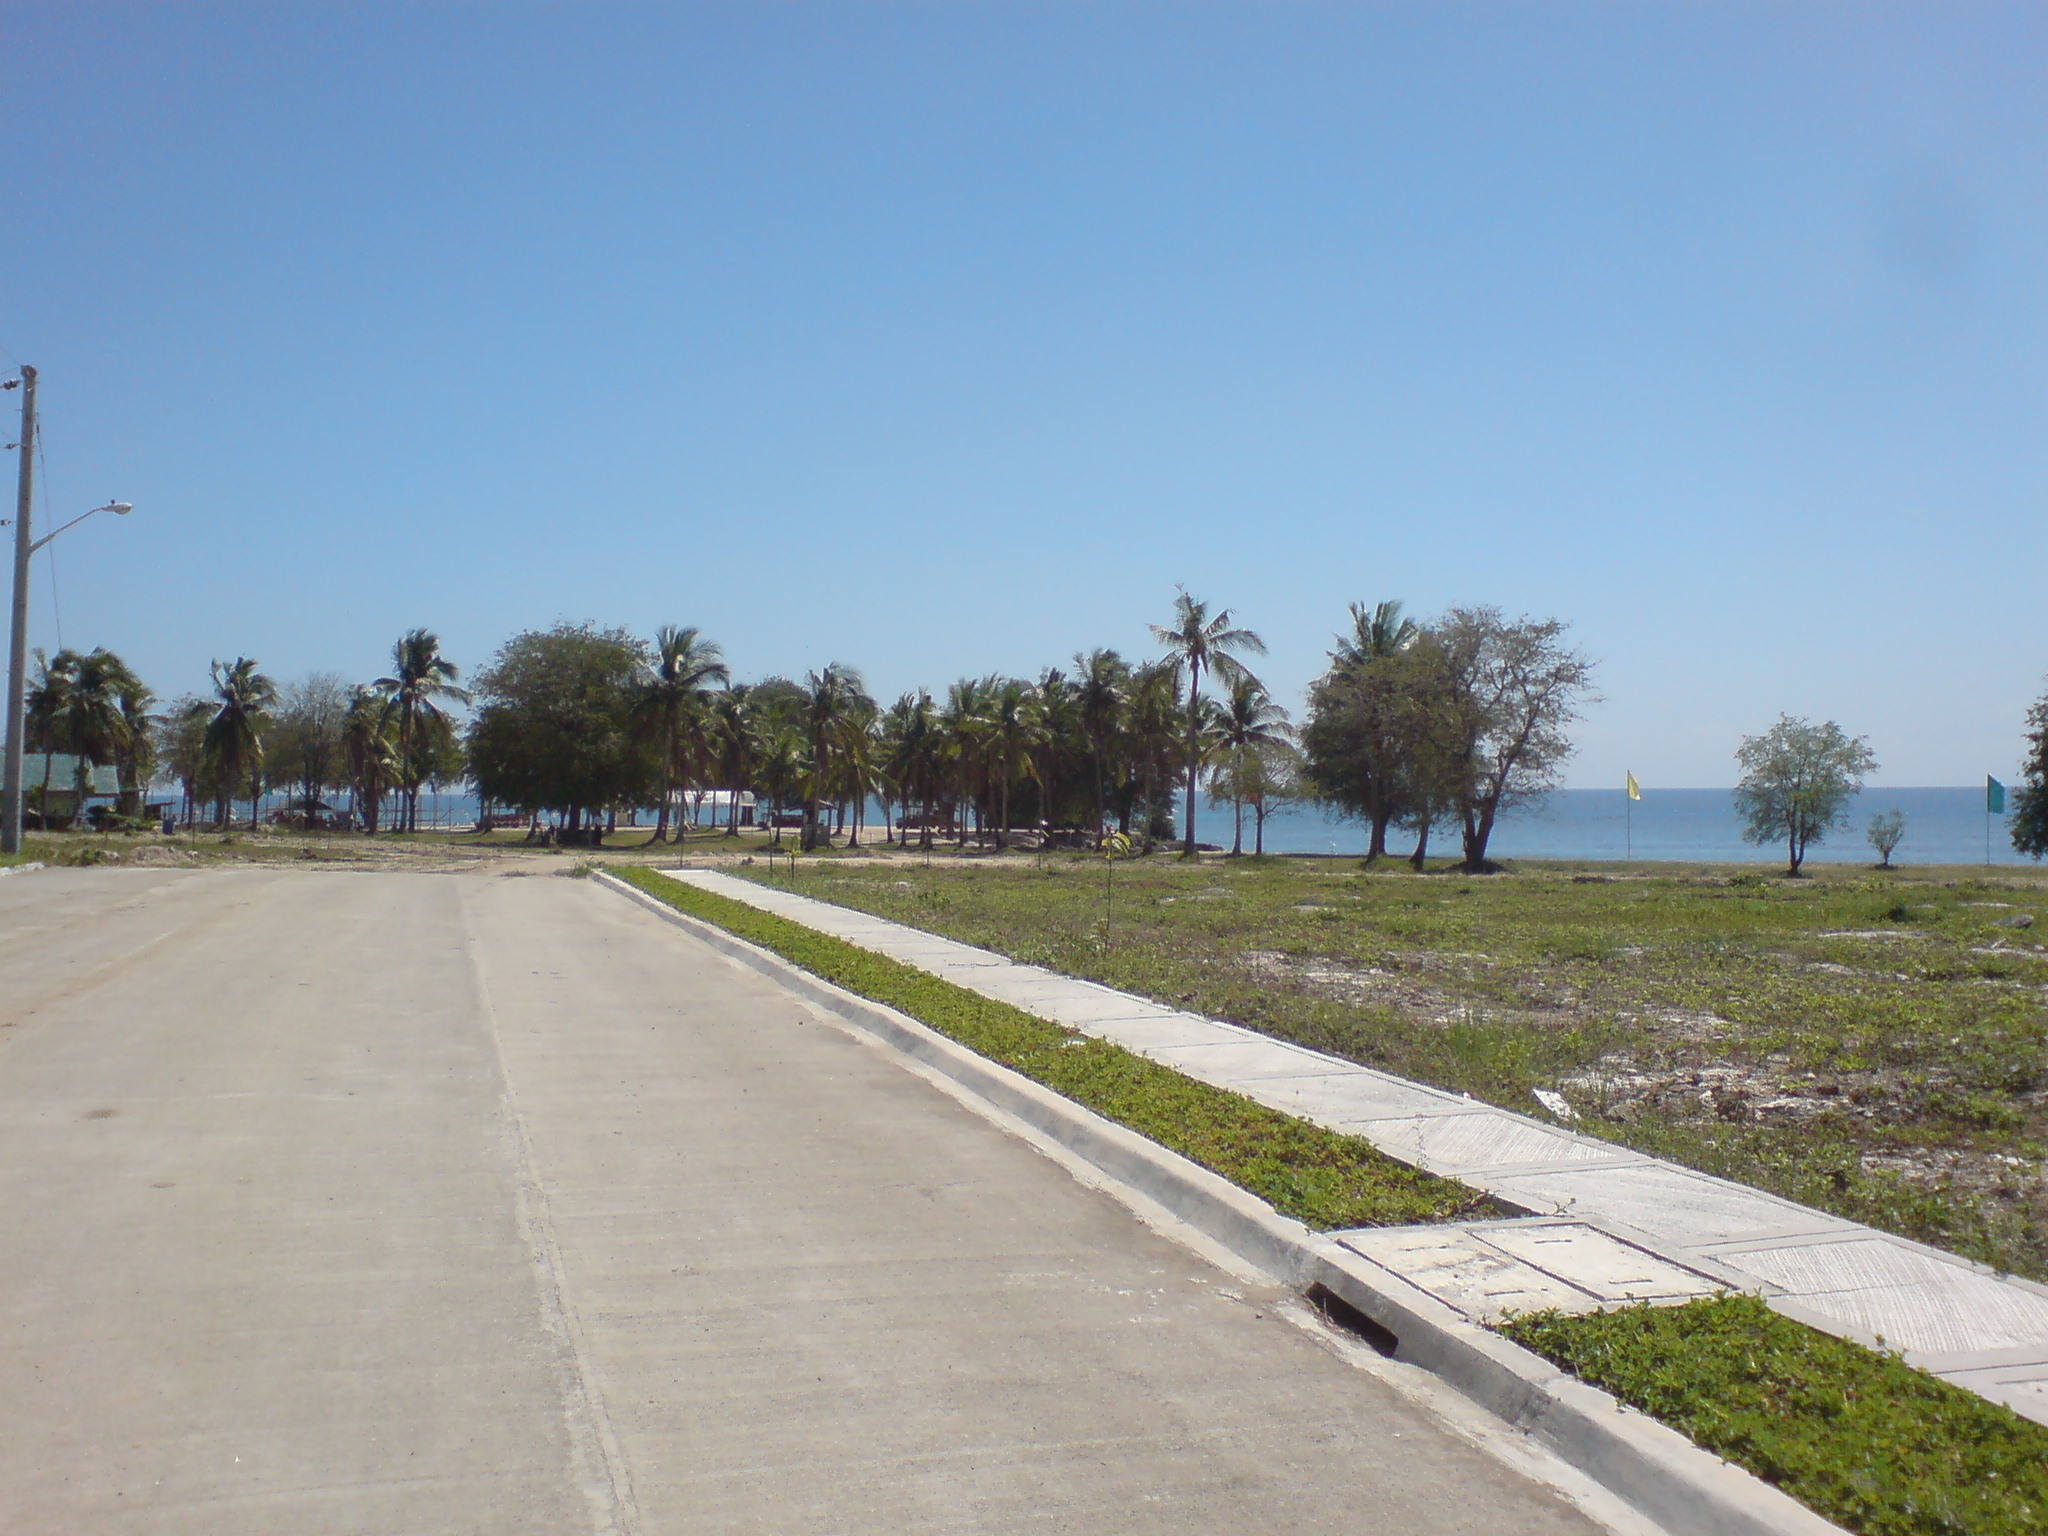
(1943, 826)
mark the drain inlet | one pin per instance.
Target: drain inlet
(1341, 1315)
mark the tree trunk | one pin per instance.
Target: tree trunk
(1237, 832)
(1259, 829)
(1194, 750)
(1377, 849)
(1421, 853)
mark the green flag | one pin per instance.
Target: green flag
(1994, 797)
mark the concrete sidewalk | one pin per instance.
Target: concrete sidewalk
(1625, 1226)
(347, 1202)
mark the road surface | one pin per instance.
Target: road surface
(410, 1203)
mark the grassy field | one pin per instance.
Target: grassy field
(1873, 1044)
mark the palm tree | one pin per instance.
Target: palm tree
(966, 725)
(1012, 733)
(1363, 665)
(234, 736)
(136, 757)
(90, 722)
(42, 708)
(1376, 634)
(914, 757)
(671, 708)
(1250, 724)
(858, 746)
(420, 674)
(369, 747)
(1153, 733)
(781, 768)
(185, 755)
(1102, 695)
(736, 743)
(1196, 643)
(828, 696)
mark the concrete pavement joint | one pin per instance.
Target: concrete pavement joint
(1658, 1472)
(604, 1477)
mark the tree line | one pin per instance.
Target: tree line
(1411, 726)
(1414, 727)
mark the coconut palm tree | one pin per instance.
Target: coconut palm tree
(966, 725)
(914, 757)
(829, 695)
(671, 708)
(234, 736)
(1197, 643)
(369, 751)
(1102, 695)
(1012, 733)
(90, 723)
(1376, 634)
(1250, 723)
(858, 752)
(780, 769)
(420, 675)
(1152, 734)
(735, 742)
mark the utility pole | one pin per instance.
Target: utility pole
(17, 644)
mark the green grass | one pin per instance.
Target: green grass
(1862, 1438)
(1316, 1176)
(1726, 1019)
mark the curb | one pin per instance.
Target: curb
(21, 869)
(1655, 1469)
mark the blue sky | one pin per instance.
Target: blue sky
(948, 339)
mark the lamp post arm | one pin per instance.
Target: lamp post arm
(112, 506)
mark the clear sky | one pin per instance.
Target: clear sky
(948, 339)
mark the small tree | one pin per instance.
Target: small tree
(1885, 831)
(2030, 798)
(1797, 781)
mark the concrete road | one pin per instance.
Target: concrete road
(336, 1202)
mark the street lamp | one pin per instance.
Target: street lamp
(17, 648)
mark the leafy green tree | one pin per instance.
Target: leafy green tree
(1359, 735)
(1196, 643)
(553, 731)
(1885, 832)
(1797, 781)
(234, 736)
(420, 677)
(305, 746)
(1514, 686)
(1265, 776)
(2030, 795)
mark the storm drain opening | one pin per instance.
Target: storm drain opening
(1344, 1317)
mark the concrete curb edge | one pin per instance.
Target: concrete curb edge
(1655, 1469)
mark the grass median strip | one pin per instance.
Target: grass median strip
(1316, 1176)
(1862, 1438)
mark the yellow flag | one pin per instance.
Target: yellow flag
(1635, 790)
